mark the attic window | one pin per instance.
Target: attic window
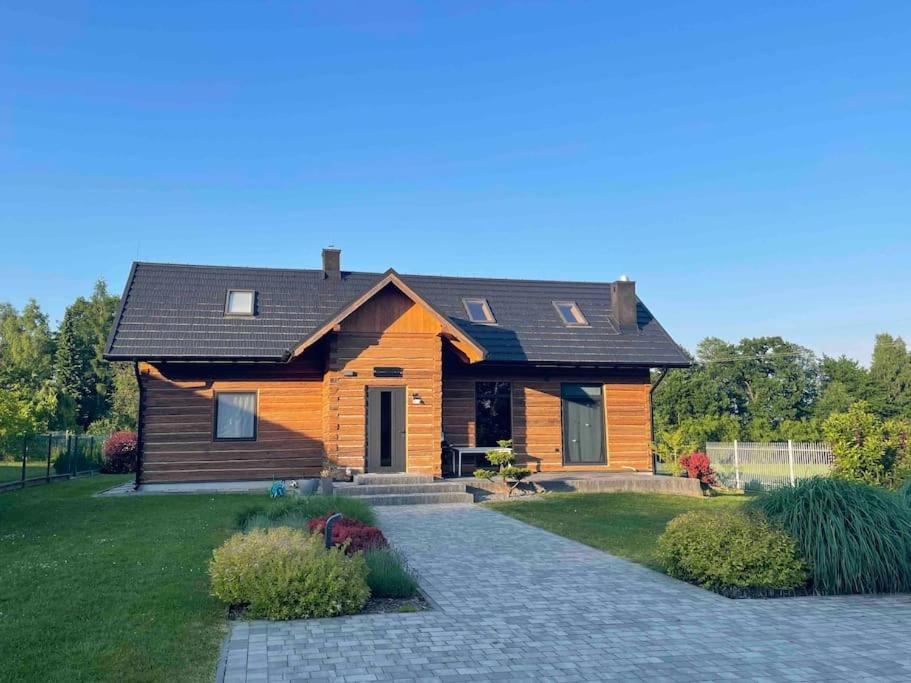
(570, 313)
(479, 311)
(240, 302)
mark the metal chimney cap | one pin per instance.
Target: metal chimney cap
(623, 278)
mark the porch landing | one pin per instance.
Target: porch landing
(590, 482)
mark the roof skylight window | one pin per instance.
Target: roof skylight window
(240, 302)
(479, 311)
(570, 313)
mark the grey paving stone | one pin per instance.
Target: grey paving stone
(518, 603)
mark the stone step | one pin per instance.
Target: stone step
(382, 489)
(403, 478)
(417, 498)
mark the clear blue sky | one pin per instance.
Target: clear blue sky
(748, 164)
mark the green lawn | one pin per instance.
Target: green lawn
(12, 471)
(110, 589)
(625, 524)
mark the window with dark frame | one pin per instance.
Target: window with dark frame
(240, 302)
(493, 412)
(570, 313)
(235, 415)
(479, 311)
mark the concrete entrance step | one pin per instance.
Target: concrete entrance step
(382, 489)
(403, 478)
(417, 498)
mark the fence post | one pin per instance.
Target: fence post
(791, 461)
(736, 467)
(24, 451)
(48, 474)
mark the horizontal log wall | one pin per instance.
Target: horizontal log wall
(178, 415)
(387, 331)
(537, 414)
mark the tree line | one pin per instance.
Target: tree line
(54, 380)
(770, 389)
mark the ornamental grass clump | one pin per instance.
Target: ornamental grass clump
(856, 538)
(731, 552)
(904, 492)
(388, 575)
(288, 573)
(297, 511)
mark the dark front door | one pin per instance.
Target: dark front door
(386, 429)
(583, 424)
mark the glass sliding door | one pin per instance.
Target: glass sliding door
(583, 424)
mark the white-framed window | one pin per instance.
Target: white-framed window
(240, 302)
(479, 311)
(235, 415)
(570, 313)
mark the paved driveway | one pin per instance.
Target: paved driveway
(518, 603)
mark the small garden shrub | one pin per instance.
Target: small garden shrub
(388, 574)
(355, 536)
(855, 538)
(274, 513)
(698, 466)
(288, 574)
(731, 552)
(120, 453)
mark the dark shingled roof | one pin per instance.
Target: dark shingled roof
(177, 312)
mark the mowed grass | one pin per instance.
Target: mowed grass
(624, 524)
(12, 471)
(110, 589)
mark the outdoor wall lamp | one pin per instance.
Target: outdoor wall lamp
(416, 399)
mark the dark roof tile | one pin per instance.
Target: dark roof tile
(177, 311)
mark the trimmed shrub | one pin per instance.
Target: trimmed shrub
(275, 513)
(353, 535)
(287, 574)
(698, 466)
(120, 451)
(731, 552)
(855, 538)
(388, 575)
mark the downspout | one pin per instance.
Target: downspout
(139, 420)
(651, 410)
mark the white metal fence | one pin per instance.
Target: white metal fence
(755, 466)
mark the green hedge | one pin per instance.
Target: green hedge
(731, 552)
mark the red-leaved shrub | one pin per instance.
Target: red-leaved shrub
(359, 535)
(120, 453)
(698, 466)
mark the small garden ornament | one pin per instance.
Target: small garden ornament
(503, 458)
(277, 490)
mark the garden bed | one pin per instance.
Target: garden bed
(312, 557)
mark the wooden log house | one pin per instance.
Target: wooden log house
(254, 373)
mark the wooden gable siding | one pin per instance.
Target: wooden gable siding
(389, 330)
(537, 414)
(178, 421)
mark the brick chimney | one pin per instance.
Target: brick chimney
(332, 263)
(623, 304)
